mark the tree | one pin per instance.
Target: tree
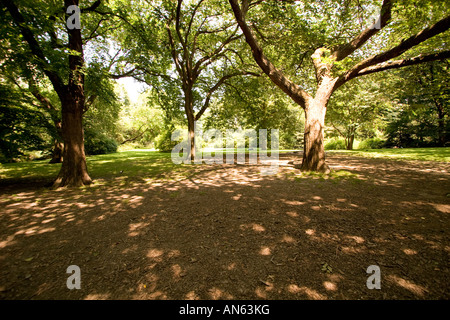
(339, 54)
(256, 103)
(355, 109)
(420, 118)
(198, 39)
(56, 50)
(23, 126)
(425, 90)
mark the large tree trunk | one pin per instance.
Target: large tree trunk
(74, 169)
(313, 149)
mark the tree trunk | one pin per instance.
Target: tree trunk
(57, 153)
(58, 148)
(441, 124)
(350, 141)
(191, 132)
(74, 169)
(189, 110)
(313, 149)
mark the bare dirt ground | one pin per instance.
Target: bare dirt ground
(228, 232)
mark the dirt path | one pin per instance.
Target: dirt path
(229, 232)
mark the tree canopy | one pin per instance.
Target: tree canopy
(311, 69)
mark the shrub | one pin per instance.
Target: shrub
(335, 144)
(98, 143)
(164, 141)
(371, 143)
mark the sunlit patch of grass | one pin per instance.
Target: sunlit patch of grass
(334, 176)
(426, 154)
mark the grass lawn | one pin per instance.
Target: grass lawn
(145, 163)
(428, 154)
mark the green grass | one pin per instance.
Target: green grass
(146, 164)
(136, 163)
(427, 154)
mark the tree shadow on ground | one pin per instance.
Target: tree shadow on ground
(229, 232)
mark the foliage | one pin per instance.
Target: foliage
(372, 143)
(98, 143)
(354, 110)
(335, 144)
(255, 103)
(421, 117)
(22, 128)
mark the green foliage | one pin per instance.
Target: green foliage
(372, 143)
(98, 143)
(355, 109)
(255, 103)
(164, 143)
(335, 144)
(421, 116)
(22, 129)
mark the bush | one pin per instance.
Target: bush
(372, 143)
(335, 144)
(164, 141)
(98, 143)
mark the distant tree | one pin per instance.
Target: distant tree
(256, 103)
(187, 48)
(23, 125)
(356, 110)
(422, 117)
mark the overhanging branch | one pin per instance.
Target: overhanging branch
(427, 33)
(405, 62)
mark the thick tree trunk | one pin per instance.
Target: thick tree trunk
(313, 150)
(74, 169)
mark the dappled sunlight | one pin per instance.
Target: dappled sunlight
(218, 294)
(310, 293)
(415, 289)
(226, 232)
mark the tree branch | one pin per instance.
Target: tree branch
(34, 46)
(216, 52)
(439, 27)
(345, 50)
(298, 94)
(129, 73)
(92, 8)
(217, 85)
(405, 62)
